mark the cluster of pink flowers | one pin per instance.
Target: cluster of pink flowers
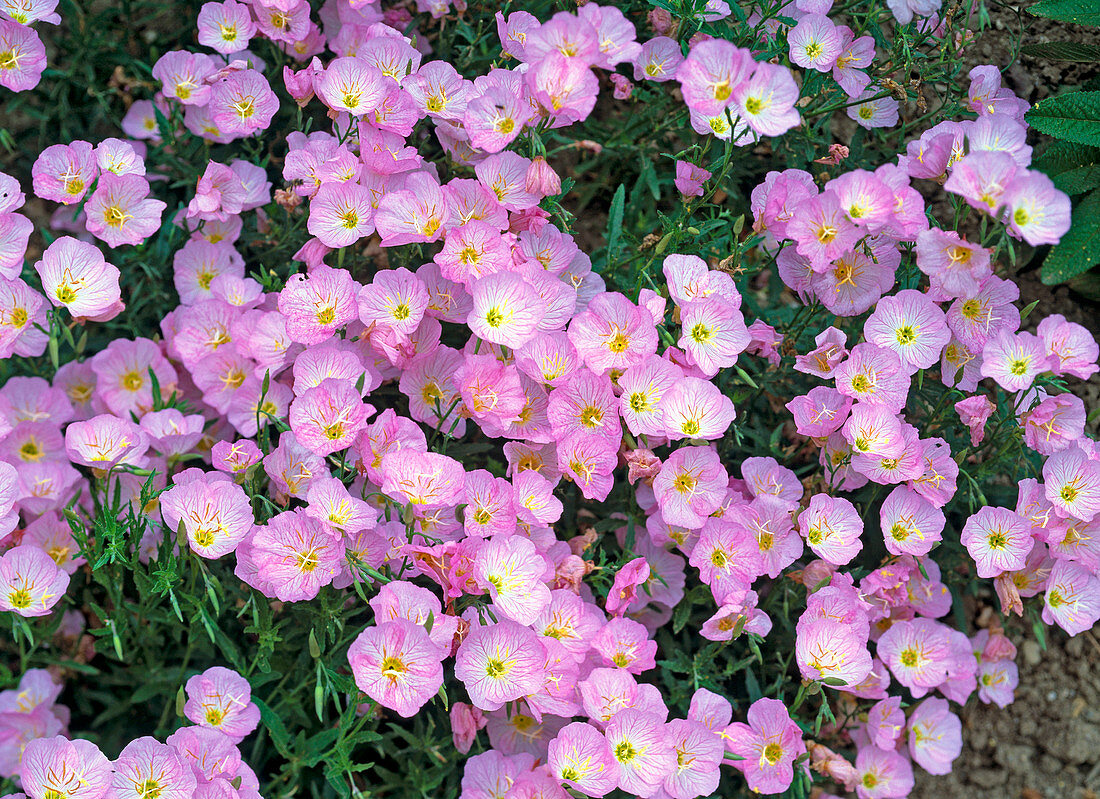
(295, 400)
(202, 760)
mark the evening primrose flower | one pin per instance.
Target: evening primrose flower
(397, 664)
(31, 582)
(225, 27)
(75, 276)
(62, 172)
(220, 698)
(500, 663)
(215, 513)
(768, 745)
(57, 767)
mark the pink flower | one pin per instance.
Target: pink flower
(855, 56)
(25, 57)
(625, 587)
(699, 754)
(978, 318)
(873, 375)
(295, 556)
(918, 653)
(710, 73)
(644, 754)
(588, 461)
(714, 334)
(1075, 350)
(829, 353)
(422, 478)
(225, 27)
(565, 88)
(1037, 212)
(1072, 483)
(997, 682)
(511, 569)
(57, 767)
(911, 325)
(506, 309)
(329, 417)
(882, 774)
(215, 513)
(340, 214)
(496, 116)
(329, 500)
(221, 699)
(1014, 360)
(885, 722)
(105, 441)
(315, 305)
(974, 412)
(832, 527)
(122, 371)
(63, 172)
(415, 213)
(582, 758)
(1054, 424)
(832, 651)
(613, 333)
(171, 432)
(766, 100)
(728, 559)
(998, 539)
(875, 109)
(398, 665)
(465, 722)
(658, 59)
(822, 230)
(820, 412)
(119, 211)
(625, 643)
(935, 736)
(75, 276)
(690, 486)
(219, 194)
(1072, 598)
(956, 267)
(768, 744)
(696, 409)
(644, 387)
(351, 85)
(690, 179)
(30, 581)
(242, 103)
(146, 765)
(500, 663)
(911, 525)
(183, 76)
(814, 43)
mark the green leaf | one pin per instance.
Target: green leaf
(1073, 117)
(1079, 249)
(1078, 180)
(615, 222)
(1064, 51)
(1079, 12)
(275, 728)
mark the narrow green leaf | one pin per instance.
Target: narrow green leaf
(275, 728)
(615, 223)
